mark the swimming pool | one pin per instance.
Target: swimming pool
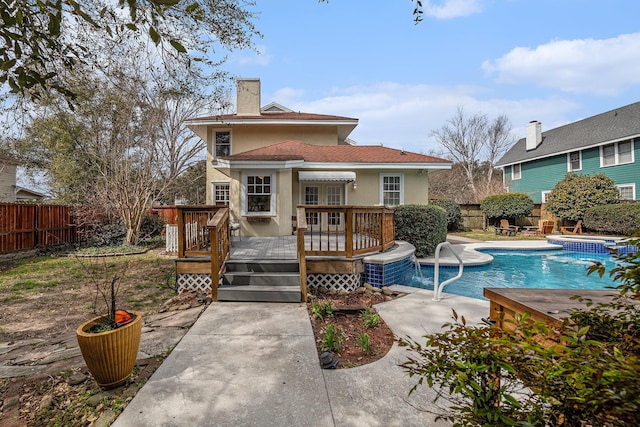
(523, 269)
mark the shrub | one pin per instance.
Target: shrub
(454, 215)
(423, 226)
(507, 205)
(111, 234)
(571, 197)
(621, 218)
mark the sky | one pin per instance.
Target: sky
(556, 61)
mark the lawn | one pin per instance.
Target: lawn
(491, 235)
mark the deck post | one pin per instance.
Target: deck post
(348, 233)
(301, 227)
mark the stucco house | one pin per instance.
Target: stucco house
(607, 143)
(9, 191)
(264, 161)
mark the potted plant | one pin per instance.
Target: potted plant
(109, 342)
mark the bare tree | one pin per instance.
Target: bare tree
(464, 139)
(474, 143)
(499, 140)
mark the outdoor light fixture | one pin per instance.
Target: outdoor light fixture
(355, 185)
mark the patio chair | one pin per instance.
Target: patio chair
(506, 228)
(576, 229)
(545, 227)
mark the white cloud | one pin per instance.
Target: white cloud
(452, 8)
(602, 67)
(262, 57)
(403, 116)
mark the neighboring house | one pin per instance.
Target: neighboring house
(9, 191)
(607, 143)
(263, 162)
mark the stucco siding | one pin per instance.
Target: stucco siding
(249, 138)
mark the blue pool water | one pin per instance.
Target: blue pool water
(523, 269)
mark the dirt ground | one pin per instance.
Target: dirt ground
(347, 317)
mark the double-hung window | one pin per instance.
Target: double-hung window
(516, 171)
(617, 153)
(627, 191)
(392, 190)
(222, 144)
(574, 161)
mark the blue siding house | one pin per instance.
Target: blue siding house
(607, 143)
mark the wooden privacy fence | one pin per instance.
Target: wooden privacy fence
(28, 226)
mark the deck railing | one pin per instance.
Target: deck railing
(219, 235)
(204, 231)
(193, 233)
(345, 230)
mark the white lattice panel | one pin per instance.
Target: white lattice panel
(194, 282)
(336, 282)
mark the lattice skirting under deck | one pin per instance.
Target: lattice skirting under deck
(194, 282)
(337, 282)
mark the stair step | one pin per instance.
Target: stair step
(240, 278)
(260, 293)
(268, 265)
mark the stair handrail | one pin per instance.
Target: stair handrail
(301, 227)
(219, 237)
(437, 287)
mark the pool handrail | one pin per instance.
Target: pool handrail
(437, 287)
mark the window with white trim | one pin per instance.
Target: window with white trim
(392, 190)
(260, 197)
(516, 171)
(545, 196)
(312, 197)
(574, 161)
(627, 191)
(222, 142)
(617, 153)
(334, 198)
(220, 193)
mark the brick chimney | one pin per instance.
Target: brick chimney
(248, 97)
(534, 135)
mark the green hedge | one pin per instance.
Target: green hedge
(507, 205)
(622, 218)
(423, 226)
(454, 214)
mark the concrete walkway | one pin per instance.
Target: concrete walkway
(256, 364)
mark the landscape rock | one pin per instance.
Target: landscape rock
(76, 379)
(46, 402)
(105, 420)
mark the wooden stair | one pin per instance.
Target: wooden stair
(268, 280)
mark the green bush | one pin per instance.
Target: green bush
(507, 205)
(571, 197)
(454, 215)
(423, 226)
(621, 218)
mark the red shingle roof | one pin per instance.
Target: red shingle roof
(298, 150)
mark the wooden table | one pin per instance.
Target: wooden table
(548, 305)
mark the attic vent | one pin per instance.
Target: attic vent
(534, 135)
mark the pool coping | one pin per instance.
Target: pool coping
(472, 255)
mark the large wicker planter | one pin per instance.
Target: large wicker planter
(110, 356)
